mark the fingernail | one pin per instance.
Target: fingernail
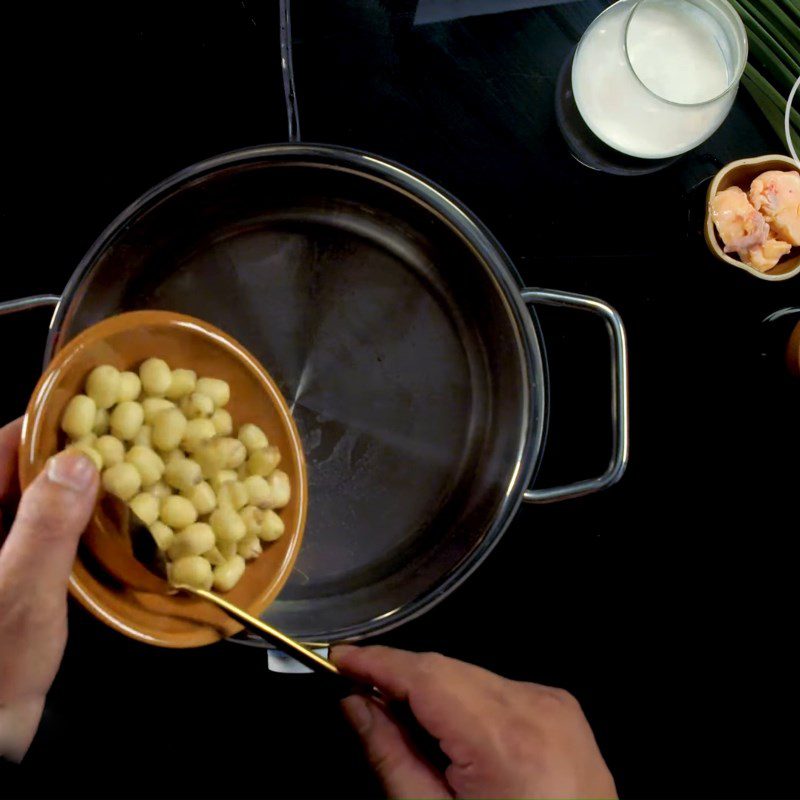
(359, 713)
(72, 471)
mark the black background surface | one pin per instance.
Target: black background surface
(667, 604)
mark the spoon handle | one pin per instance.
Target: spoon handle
(280, 640)
(344, 686)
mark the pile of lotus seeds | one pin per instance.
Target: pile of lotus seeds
(163, 442)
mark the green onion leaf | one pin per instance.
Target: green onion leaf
(772, 33)
(774, 112)
(790, 8)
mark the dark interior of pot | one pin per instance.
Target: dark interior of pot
(402, 360)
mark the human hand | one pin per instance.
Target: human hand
(504, 738)
(35, 562)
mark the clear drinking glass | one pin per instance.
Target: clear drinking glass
(655, 78)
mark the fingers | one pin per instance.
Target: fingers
(401, 770)
(394, 672)
(434, 687)
(9, 448)
(52, 514)
(503, 738)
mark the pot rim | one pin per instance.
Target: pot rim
(531, 436)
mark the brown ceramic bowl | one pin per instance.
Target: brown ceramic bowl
(741, 174)
(125, 341)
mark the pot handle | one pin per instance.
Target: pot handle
(25, 303)
(619, 394)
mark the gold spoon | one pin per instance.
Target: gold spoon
(290, 646)
(125, 548)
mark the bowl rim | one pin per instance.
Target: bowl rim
(201, 635)
(711, 236)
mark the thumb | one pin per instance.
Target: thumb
(52, 515)
(403, 772)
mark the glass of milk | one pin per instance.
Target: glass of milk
(655, 78)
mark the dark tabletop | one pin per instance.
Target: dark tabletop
(666, 604)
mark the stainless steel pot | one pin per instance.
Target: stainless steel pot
(399, 332)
